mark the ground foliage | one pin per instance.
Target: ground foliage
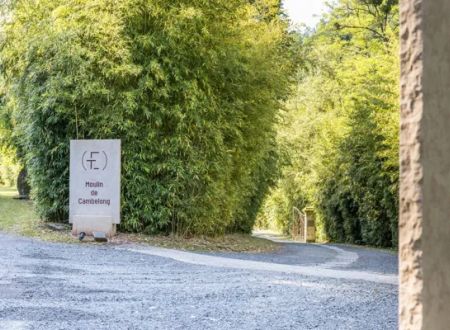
(192, 87)
(339, 138)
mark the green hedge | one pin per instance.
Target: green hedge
(192, 88)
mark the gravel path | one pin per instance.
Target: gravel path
(57, 286)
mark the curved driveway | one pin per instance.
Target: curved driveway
(58, 286)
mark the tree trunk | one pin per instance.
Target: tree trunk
(22, 184)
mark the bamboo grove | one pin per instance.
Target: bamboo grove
(226, 114)
(339, 136)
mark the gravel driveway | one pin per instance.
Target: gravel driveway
(57, 286)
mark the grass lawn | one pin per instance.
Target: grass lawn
(18, 217)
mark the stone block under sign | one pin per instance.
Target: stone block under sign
(94, 202)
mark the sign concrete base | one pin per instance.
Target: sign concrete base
(90, 224)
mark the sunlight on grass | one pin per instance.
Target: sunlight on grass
(15, 215)
(18, 217)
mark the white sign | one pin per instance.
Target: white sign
(95, 180)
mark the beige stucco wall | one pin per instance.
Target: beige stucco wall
(425, 165)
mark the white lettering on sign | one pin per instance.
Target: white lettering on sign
(95, 179)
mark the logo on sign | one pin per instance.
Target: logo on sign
(94, 161)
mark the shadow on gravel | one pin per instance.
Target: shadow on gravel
(289, 254)
(42, 256)
(38, 314)
(371, 259)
